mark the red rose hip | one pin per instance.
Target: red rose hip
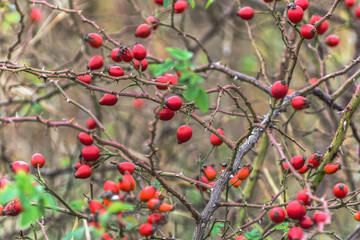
(357, 11)
(308, 31)
(108, 100)
(180, 6)
(90, 123)
(320, 217)
(146, 229)
(295, 13)
(85, 79)
(35, 15)
(83, 172)
(90, 153)
(147, 193)
(304, 196)
(85, 138)
(246, 13)
(166, 114)
(279, 89)
(315, 159)
(96, 62)
(302, 3)
(340, 190)
(297, 162)
(116, 71)
(115, 55)
(332, 168)
(184, 134)
(126, 168)
(306, 222)
(332, 40)
(300, 102)
(215, 140)
(209, 172)
(144, 64)
(37, 160)
(277, 215)
(139, 51)
(295, 210)
(95, 40)
(322, 27)
(143, 30)
(174, 103)
(20, 166)
(295, 233)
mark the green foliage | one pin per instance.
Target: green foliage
(217, 228)
(77, 205)
(284, 226)
(180, 54)
(182, 63)
(76, 234)
(209, 2)
(166, 3)
(160, 69)
(253, 235)
(117, 207)
(37, 108)
(12, 17)
(33, 198)
(192, 3)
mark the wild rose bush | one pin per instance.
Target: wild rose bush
(179, 119)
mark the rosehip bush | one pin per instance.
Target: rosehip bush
(179, 119)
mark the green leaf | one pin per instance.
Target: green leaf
(181, 65)
(8, 194)
(29, 216)
(209, 2)
(192, 3)
(77, 234)
(191, 92)
(166, 3)
(77, 205)
(12, 17)
(160, 69)
(180, 54)
(195, 79)
(253, 235)
(217, 228)
(49, 200)
(104, 218)
(184, 76)
(119, 206)
(283, 226)
(202, 100)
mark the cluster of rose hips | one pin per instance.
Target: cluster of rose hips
(14, 208)
(296, 211)
(122, 192)
(210, 175)
(295, 15)
(280, 89)
(300, 165)
(89, 155)
(135, 56)
(144, 29)
(113, 192)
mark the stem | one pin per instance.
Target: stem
(338, 139)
